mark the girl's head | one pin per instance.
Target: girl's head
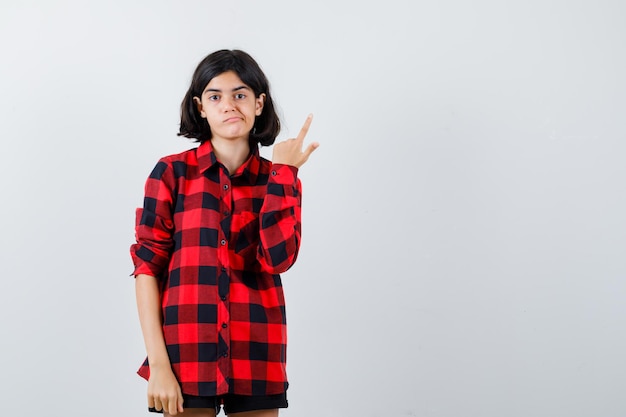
(193, 125)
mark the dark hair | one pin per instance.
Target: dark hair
(194, 126)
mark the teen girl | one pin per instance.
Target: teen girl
(219, 223)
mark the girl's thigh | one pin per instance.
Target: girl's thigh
(258, 413)
(195, 412)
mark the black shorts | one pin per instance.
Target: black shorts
(234, 403)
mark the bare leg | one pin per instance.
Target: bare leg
(194, 412)
(257, 413)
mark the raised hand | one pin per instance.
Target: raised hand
(289, 152)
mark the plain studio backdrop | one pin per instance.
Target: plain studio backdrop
(463, 220)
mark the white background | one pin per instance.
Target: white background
(464, 235)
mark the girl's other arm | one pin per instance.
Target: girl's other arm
(163, 388)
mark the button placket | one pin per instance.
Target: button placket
(226, 210)
(223, 319)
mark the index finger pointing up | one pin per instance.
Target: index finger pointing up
(305, 128)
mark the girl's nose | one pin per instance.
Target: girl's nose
(228, 104)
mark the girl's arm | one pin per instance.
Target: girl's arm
(280, 225)
(163, 388)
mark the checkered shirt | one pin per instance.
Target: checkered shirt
(218, 243)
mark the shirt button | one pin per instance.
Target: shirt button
(226, 212)
(224, 325)
(223, 297)
(223, 242)
(225, 186)
(274, 173)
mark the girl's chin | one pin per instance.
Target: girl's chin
(232, 137)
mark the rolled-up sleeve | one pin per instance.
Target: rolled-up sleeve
(280, 220)
(154, 224)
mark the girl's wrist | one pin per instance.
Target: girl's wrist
(160, 366)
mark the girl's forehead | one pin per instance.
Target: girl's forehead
(225, 79)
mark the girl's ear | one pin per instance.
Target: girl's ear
(199, 106)
(260, 102)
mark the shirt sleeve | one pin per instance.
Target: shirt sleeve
(280, 220)
(154, 224)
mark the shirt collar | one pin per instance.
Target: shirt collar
(249, 169)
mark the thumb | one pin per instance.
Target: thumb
(309, 149)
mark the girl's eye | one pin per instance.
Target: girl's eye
(240, 96)
(213, 97)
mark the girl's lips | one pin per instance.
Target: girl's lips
(232, 119)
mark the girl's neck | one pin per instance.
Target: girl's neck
(231, 153)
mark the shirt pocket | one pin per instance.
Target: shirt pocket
(245, 229)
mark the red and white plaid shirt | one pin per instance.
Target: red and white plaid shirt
(218, 243)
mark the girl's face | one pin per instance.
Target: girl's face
(229, 106)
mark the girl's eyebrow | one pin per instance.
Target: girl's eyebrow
(215, 90)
